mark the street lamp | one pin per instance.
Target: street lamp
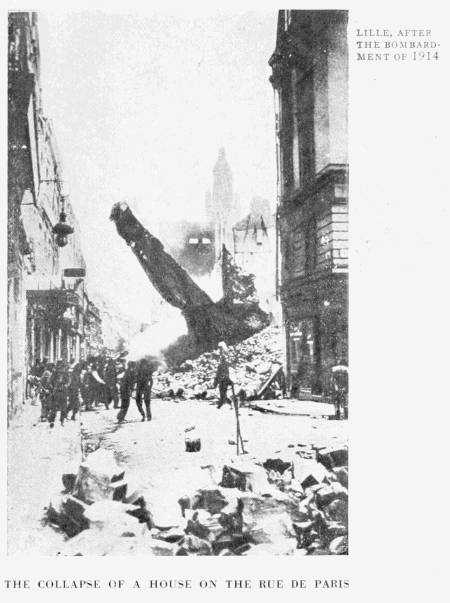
(61, 229)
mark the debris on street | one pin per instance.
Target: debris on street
(254, 362)
(292, 504)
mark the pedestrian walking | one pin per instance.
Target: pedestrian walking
(59, 390)
(222, 378)
(127, 386)
(144, 382)
(110, 378)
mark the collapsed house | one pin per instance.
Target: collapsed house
(232, 319)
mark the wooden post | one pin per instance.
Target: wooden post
(239, 439)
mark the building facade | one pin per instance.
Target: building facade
(254, 250)
(45, 270)
(310, 80)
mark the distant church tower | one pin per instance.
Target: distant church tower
(222, 204)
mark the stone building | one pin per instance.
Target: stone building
(93, 342)
(310, 79)
(45, 269)
(222, 207)
(254, 250)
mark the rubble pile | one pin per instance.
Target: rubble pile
(252, 361)
(294, 504)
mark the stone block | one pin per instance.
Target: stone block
(333, 457)
(328, 493)
(193, 545)
(113, 516)
(308, 472)
(96, 477)
(341, 474)
(164, 511)
(67, 512)
(245, 476)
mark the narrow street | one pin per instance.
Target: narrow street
(152, 454)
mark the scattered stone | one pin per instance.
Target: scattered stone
(192, 545)
(308, 472)
(90, 542)
(246, 476)
(277, 465)
(339, 546)
(333, 457)
(113, 516)
(96, 477)
(165, 512)
(68, 513)
(68, 480)
(341, 474)
(327, 494)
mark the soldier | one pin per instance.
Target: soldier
(59, 389)
(144, 382)
(110, 377)
(126, 389)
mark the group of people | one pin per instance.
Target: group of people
(66, 388)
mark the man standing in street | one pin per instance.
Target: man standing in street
(110, 378)
(59, 390)
(144, 382)
(74, 390)
(222, 378)
(87, 386)
(44, 392)
(339, 384)
(126, 389)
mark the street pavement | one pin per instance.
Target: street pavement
(37, 457)
(152, 453)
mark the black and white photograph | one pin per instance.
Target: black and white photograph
(177, 283)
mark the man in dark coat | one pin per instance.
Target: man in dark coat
(127, 385)
(44, 390)
(74, 391)
(59, 389)
(144, 382)
(87, 386)
(110, 378)
(222, 378)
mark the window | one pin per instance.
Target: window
(287, 19)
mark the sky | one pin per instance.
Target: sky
(140, 105)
